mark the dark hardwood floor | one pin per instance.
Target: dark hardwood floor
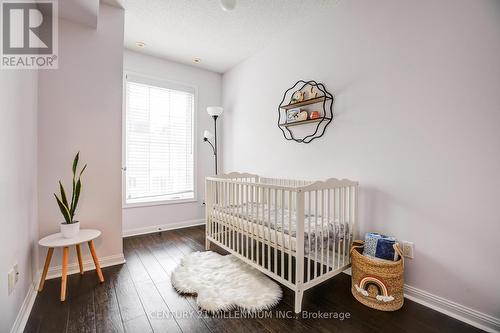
(138, 297)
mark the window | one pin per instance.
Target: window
(159, 162)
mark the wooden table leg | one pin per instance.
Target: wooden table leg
(64, 277)
(45, 268)
(80, 262)
(96, 261)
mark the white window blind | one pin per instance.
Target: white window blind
(159, 141)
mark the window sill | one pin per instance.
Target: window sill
(158, 203)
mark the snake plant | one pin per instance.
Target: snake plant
(68, 209)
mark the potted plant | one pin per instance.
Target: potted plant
(70, 227)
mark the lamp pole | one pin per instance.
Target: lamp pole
(214, 112)
(215, 140)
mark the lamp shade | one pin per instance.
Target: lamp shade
(215, 110)
(208, 135)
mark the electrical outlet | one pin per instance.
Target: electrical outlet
(408, 248)
(12, 280)
(16, 270)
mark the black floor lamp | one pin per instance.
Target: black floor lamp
(215, 112)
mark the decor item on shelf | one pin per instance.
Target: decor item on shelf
(312, 94)
(297, 97)
(377, 283)
(314, 115)
(291, 115)
(316, 126)
(215, 112)
(70, 227)
(301, 116)
(295, 115)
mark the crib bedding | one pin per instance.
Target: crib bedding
(266, 221)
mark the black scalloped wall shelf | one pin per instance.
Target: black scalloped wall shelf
(318, 126)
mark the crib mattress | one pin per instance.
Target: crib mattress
(267, 222)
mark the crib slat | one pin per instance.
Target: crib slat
(351, 191)
(322, 229)
(343, 222)
(309, 253)
(227, 195)
(299, 258)
(213, 209)
(268, 199)
(276, 231)
(233, 217)
(222, 209)
(290, 236)
(219, 203)
(227, 223)
(263, 238)
(257, 224)
(207, 207)
(282, 234)
(228, 215)
(239, 235)
(340, 221)
(330, 222)
(251, 220)
(246, 222)
(224, 215)
(315, 233)
(334, 216)
(216, 211)
(230, 227)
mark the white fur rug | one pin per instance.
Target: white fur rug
(224, 282)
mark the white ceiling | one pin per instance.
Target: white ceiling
(182, 30)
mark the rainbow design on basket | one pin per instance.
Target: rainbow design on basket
(382, 293)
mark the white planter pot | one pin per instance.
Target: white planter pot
(70, 230)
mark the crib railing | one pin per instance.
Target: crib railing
(297, 232)
(331, 214)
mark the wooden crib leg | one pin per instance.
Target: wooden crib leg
(298, 300)
(207, 244)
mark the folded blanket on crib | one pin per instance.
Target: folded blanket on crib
(380, 246)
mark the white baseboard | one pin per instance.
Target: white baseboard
(162, 227)
(452, 309)
(458, 311)
(24, 311)
(116, 259)
(53, 272)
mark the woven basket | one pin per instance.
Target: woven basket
(376, 283)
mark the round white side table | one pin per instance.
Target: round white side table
(57, 240)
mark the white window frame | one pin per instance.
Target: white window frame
(152, 80)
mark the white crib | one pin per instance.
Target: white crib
(296, 232)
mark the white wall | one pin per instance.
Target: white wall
(208, 84)
(18, 118)
(418, 115)
(80, 110)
